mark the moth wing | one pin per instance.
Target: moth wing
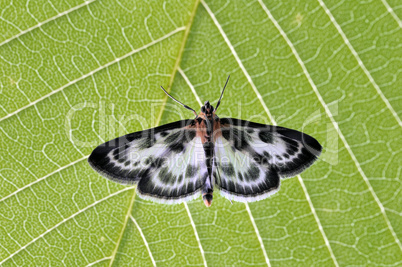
(167, 162)
(239, 177)
(250, 158)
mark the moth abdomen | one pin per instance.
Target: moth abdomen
(207, 197)
(207, 194)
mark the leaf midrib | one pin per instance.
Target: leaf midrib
(174, 71)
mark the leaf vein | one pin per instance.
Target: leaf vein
(42, 178)
(123, 229)
(360, 62)
(196, 234)
(93, 72)
(62, 222)
(86, 3)
(144, 239)
(391, 11)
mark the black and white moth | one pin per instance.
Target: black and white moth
(179, 161)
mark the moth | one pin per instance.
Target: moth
(180, 161)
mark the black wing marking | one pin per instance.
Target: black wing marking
(167, 162)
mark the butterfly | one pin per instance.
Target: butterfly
(182, 160)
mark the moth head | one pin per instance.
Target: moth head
(207, 108)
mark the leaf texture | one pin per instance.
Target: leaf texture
(74, 75)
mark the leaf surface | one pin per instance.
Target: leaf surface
(78, 74)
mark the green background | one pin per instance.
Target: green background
(74, 74)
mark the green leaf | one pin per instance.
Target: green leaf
(76, 74)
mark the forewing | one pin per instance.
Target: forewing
(257, 155)
(165, 161)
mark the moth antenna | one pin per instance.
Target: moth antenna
(217, 105)
(185, 106)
